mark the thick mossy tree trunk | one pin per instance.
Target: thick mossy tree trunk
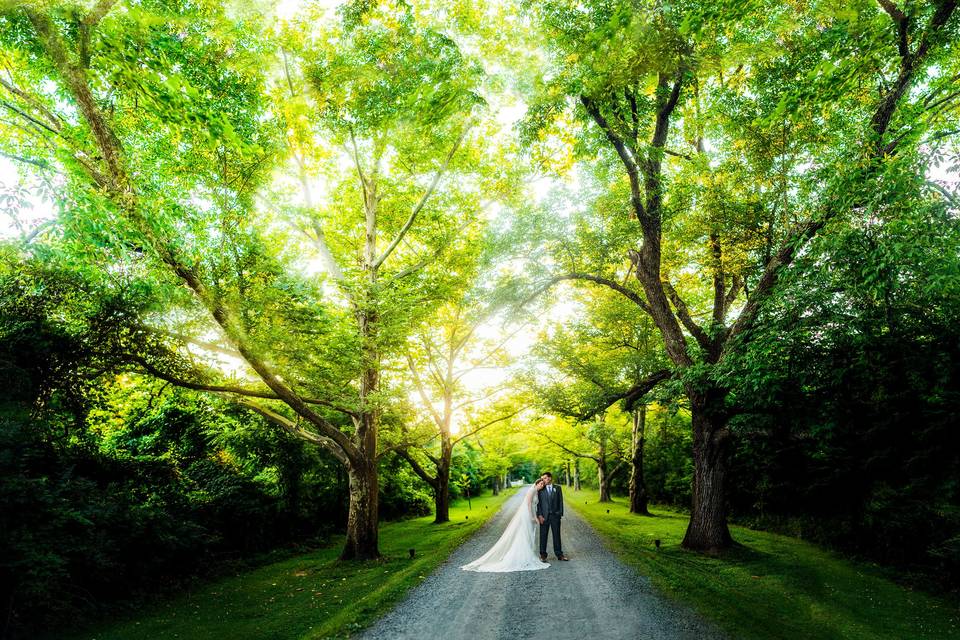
(707, 529)
(638, 487)
(362, 520)
(363, 517)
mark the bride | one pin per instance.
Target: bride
(515, 551)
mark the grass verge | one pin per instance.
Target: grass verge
(310, 596)
(770, 586)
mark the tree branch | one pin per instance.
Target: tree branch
(121, 189)
(908, 65)
(417, 468)
(423, 392)
(234, 389)
(76, 80)
(719, 298)
(423, 199)
(575, 454)
(620, 465)
(652, 166)
(771, 273)
(642, 388)
(42, 164)
(478, 364)
(732, 293)
(611, 284)
(629, 162)
(683, 313)
(490, 392)
(630, 397)
(951, 198)
(295, 430)
(677, 154)
(900, 20)
(29, 118)
(406, 271)
(53, 120)
(487, 424)
(879, 123)
(356, 163)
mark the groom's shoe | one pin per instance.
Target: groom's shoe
(543, 557)
(562, 557)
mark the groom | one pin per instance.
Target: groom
(549, 512)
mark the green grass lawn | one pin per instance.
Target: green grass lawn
(772, 586)
(311, 595)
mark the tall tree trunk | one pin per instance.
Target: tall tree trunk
(707, 530)
(362, 519)
(603, 471)
(603, 479)
(576, 474)
(495, 483)
(441, 498)
(442, 494)
(567, 474)
(638, 486)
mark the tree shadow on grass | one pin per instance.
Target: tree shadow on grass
(743, 554)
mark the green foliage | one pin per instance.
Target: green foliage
(113, 485)
(778, 160)
(849, 393)
(76, 523)
(382, 74)
(402, 494)
(324, 197)
(667, 463)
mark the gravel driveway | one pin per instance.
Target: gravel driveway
(591, 597)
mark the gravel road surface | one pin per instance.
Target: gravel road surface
(592, 597)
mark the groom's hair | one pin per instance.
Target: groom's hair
(547, 473)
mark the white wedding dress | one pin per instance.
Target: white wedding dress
(516, 548)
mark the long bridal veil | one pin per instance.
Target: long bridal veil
(516, 548)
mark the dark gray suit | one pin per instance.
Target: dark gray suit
(550, 506)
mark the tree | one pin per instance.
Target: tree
(748, 149)
(154, 87)
(610, 358)
(639, 498)
(603, 440)
(98, 465)
(440, 358)
(399, 98)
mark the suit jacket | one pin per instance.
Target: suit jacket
(546, 505)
